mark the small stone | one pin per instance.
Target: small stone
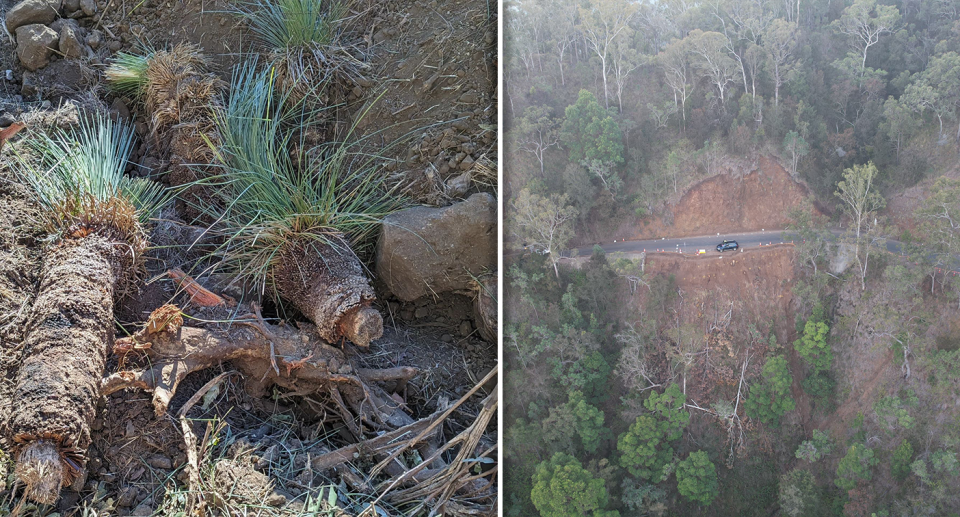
(36, 43)
(114, 45)
(143, 510)
(275, 500)
(446, 338)
(94, 39)
(120, 109)
(160, 462)
(130, 430)
(421, 312)
(469, 98)
(29, 12)
(89, 7)
(97, 424)
(458, 186)
(70, 41)
(465, 328)
(357, 92)
(466, 164)
(128, 496)
(70, 6)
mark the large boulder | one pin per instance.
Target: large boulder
(29, 12)
(427, 250)
(35, 44)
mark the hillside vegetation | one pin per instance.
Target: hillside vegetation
(807, 380)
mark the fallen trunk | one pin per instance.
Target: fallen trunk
(325, 281)
(70, 330)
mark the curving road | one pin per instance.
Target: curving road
(689, 244)
(706, 242)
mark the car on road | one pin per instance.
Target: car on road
(727, 245)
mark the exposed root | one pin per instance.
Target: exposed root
(306, 364)
(39, 466)
(198, 294)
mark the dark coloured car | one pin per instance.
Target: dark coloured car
(727, 245)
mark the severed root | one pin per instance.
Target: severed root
(198, 294)
(40, 467)
(256, 348)
(362, 325)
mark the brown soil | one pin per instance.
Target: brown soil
(728, 202)
(761, 276)
(435, 65)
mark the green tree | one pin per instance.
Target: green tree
(563, 488)
(799, 494)
(590, 133)
(813, 347)
(644, 449)
(535, 132)
(855, 466)
(861, 201)
(864, 22)
(697, 478)
(578, 416)
(770, 399)
(544, 223)
(900, 462)
(899, 122)
(819, 447)
(669, 406)
(796, 147)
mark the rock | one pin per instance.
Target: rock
(70, 45)
(159, 461)
(275, 500)
(446, 338)
(458, 186)
(70, 6)
(7, 118)
(89, 7)
(469, 98)
(28, 87)
(127, 496)
(421, 312)
(35, 44)
(144, 510)
(120, 109)
(30, 12)
(425, 250)
(114, 45)
(467, 163)
(94, 39)
(465, 328)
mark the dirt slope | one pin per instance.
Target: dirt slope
(728, 202)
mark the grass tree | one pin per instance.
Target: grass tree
(95, 217)
(308, 43)
(178, 94)
(294, 217)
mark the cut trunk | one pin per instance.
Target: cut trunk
(66, 340)
(326, 282)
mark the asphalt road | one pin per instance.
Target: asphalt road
(706, 242)
(690, 244)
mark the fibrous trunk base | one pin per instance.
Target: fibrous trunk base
(69, 329)
(325, 281)
(40, 468)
